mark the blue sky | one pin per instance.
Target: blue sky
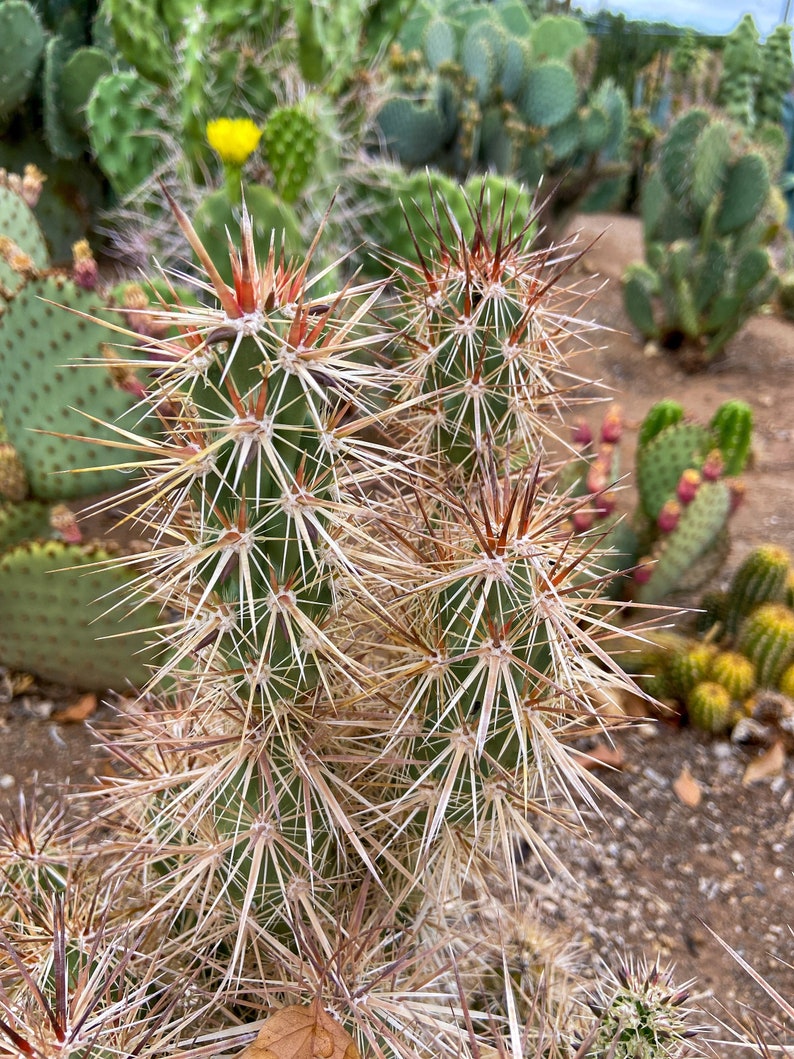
(714, 16)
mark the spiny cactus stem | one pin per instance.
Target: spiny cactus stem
(224, 292)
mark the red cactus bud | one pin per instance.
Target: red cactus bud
(713, 466)
(65, 525)
(688, 485)
(605, 503)
(582, 434)
(85, 272)
(612, 427)
(582, 520)
(737, 489)
(642, 574)
(669, 516)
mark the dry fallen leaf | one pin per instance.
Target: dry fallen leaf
(770, 763)
(601, 756)
(80, 710)
(687, 789)
(299, 1032)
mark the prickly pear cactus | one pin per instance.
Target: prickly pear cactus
(22, 41)
(49, 389)
(707, 268)
(687, 489)
(70, 618)
(480, 87)
(22, 244)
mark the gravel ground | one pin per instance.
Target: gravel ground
(655, 873)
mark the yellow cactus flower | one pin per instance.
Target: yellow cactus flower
(234, 139)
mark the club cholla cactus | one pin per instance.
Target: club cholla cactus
(373, 660)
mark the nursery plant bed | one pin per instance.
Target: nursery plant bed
(655, 873)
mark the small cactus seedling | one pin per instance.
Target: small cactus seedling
(643, 1016)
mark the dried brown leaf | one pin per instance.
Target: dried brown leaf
(601, 756)
(770, 763)
(298, 1032)
(80, 710)
(687, 789)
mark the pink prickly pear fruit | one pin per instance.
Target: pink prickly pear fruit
(582, 434)
(688, 485)
(597, 480)
(65, 525)
(605, 503)
(669, 517)
(85, 271)
(582, 520)
(642, 574)
(612, 426)
(713, 466)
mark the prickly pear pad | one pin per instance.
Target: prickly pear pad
(62, 619)
(47, 386)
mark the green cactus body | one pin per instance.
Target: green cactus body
(125, 129)
(786, 683)
(640, 285)
(697, 533)
(689, 667)
(711, 708)
(709, 163)
(734, 672)
(23, 521)
(556, 36)
(761, 578)
(550, 94)
(48, 386)
(60, 139)
(271, 218)
(18, 225)
(21, 48)
(141, 37)
(710, 276)
(290, 138)
(732, 427)
(678, 151)
(663, 414)
(80, 72)
(767, 638)
(54, 627)
(664, 457)
(746, 190)
(712, 612)
(412, 130)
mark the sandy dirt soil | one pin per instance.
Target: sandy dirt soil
(655, 872)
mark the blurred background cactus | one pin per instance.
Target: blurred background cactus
(53, 326)
(471, 87)
(708, 216)
(686, 476)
